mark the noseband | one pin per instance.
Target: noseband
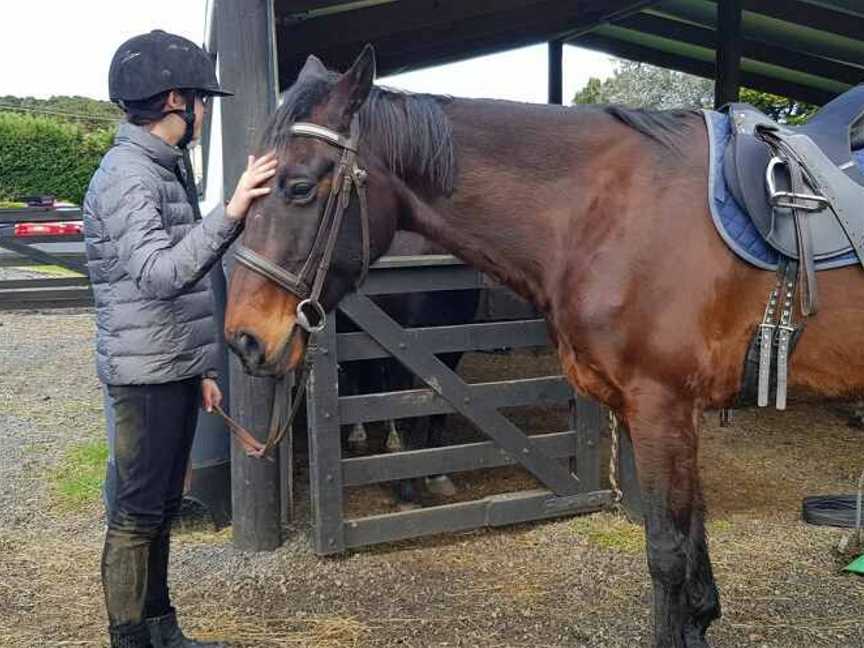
(309, 282)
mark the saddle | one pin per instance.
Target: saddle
(804, 193)
(759, 169)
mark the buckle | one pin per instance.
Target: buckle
(787, 199)
(318, 321)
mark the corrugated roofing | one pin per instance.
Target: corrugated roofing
(806, 49)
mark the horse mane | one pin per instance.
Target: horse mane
(409, 132)
(666, 127)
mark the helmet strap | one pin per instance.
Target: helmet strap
(188, 116)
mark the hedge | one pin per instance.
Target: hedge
(41, 155)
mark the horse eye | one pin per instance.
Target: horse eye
(301, 191)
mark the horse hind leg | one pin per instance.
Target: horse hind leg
(685, 594)
(438, 485)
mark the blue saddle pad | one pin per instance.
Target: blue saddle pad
(733, 223)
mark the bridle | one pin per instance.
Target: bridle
(308, 283)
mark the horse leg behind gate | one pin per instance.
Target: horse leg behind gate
(442, 485)
(664, 432)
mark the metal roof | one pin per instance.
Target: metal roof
(805, 49)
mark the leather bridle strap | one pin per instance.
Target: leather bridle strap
(279, 423)
(308, 285)
(348, 173)
(274, 273)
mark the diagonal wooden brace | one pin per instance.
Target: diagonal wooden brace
(44, 257)
(400, 343)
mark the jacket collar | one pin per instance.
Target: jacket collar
(156, 149)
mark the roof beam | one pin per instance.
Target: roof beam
(704, 69)
(792, 36)
(452, 30)
(752, 49)
(728, 46)
(854, 7)
(380, 21)
(815, 16)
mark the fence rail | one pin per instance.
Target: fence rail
(566, 463)
(65, 250)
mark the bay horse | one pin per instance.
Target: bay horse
(597, 215)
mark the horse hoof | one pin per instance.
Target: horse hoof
(394, 441)
(358, 442)
(440, 485)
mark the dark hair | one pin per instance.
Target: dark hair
(151, 110)
(146, 111)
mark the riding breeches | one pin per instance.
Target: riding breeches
(154, 429)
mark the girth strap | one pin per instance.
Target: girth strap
(802, 204)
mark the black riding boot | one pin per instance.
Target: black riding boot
(165, 633)
(130, 637)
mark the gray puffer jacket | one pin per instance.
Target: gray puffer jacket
(148, 261)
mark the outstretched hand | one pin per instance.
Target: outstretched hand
(249, 187)
(211, 395)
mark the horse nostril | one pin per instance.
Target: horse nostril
(250, 348)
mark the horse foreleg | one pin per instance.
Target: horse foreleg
(685, 595)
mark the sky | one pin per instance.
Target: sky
(63, 47)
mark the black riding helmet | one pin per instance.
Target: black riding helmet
(150, 64)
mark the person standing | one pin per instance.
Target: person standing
(148, 255)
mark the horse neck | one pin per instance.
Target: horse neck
(515, 199)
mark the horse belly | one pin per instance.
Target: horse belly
(829, 359)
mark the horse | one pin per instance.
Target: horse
(438, 308)
(597, 215)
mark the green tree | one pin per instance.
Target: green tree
(639, 85)
(780, 109)
(44, 155)
(90, 114)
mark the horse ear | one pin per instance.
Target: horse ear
(354, 86)
(312, 66)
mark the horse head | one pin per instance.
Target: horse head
(332, 211)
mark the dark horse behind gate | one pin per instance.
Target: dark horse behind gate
(436, 308)
(596, 215)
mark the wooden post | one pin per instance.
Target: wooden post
(727, 84)
(556, 79)
(628, 478)
(245, 46)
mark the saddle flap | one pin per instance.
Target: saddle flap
(744, 166)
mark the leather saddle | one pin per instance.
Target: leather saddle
(823, 150)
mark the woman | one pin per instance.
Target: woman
(148, 254)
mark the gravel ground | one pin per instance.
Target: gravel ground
(579, 582)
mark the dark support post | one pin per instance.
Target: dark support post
(247, 67)
(628, 479)
(556, 79)
(587, 418)
(325, 442)
(727, 84)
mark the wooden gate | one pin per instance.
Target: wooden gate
(566, 463)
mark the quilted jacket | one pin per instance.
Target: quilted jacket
(148, 260)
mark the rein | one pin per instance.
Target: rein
(309, 282)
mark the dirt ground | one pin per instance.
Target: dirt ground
(577, 582)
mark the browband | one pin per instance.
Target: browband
(319, 132)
